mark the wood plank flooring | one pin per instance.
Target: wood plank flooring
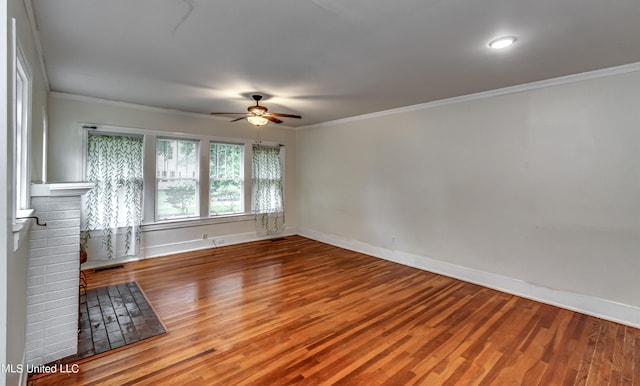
(297, 311)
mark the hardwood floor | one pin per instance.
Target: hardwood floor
(297, 311)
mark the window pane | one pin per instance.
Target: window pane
(176, 178)
(176, 198)
(225, 177)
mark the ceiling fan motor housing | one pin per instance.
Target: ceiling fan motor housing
(257, 110)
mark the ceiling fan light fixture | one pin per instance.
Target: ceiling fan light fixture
(258, 116)
(502, 42)
(257, 120)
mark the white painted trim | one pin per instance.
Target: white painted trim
(196, 222)
(92, 264)
(110, 102)
(589, 305)
(84, 98)
(573, 78)
(22, 134)
(193, 245)
(35, 31)
(61, 189)
(624, 69)
(45, 141)
(5, 172)
(21, 228)
(186, 246)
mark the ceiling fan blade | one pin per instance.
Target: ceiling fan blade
(285, 115)
(227, 113)
(238, 119)
(272, 119)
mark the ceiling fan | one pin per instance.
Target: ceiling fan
(258, 114)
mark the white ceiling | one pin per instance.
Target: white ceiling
(322, 59)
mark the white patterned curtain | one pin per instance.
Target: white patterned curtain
(114, 207)
(268, 202)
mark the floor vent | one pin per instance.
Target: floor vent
(108, 268)
(278, 239)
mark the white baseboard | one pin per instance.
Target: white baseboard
(153, 251)
(194, 245)
(589, 305)
(101, 263)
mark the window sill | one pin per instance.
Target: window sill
(21, 227)
(185, 223)
(21, 223)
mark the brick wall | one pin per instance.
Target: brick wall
(52, 280)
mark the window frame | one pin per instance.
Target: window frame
(22, 104)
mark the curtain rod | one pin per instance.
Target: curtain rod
(259, 143)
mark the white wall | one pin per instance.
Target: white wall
(68, 112)
(6, 252)
(533, 192)
(13, 261)
(537, 189)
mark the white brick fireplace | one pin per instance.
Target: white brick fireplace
(53, 272)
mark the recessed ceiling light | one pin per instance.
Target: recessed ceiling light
(502, 42)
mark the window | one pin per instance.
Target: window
(225, 179)
(22, 107)
(194, 179)
(176, 178)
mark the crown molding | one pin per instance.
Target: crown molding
(596, 74)
(136, 106)
(141, 107)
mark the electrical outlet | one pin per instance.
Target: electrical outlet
(205, 236)
(394, 240)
